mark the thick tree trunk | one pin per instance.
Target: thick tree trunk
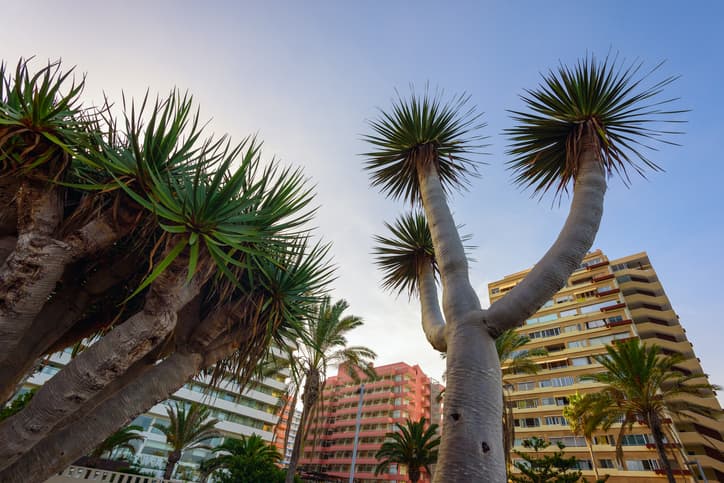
(309, 399)
(8, 209)
(414, 474)
(173, 458)
(656, 431)
(67, 444)
(472, 440)
(99, 365)
(56, 319)
(31, 273)
(565, 255)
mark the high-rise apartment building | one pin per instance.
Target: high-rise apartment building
(254, 410)
(399, 392)
(606, 301)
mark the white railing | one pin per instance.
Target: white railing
(106, 476)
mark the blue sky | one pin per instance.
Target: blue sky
(305, 77)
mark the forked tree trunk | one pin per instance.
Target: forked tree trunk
(309, 399)
(99, 365)
(472, 442)
(67, 444)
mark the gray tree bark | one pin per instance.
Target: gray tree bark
(433, 323)
(99, 365)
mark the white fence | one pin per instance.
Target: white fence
(76, 473)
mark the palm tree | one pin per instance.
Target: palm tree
(582, 122)
(119, 440)
(325, 344)
(413, 445)
(645, 385)
(189, 426)
(182, 251)
(249, 449)
(514, 360)
(585, 415)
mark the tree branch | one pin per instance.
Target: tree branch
(433, 323)
(566, 253)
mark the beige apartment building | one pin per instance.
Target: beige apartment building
(603, 302)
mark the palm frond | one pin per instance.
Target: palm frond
(419, 130)
(606, 98)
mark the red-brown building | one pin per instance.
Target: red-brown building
(399, 392)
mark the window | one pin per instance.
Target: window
(580, 361)
(557, 382)
(568, 440)
(527, 422)
(495, 290)
(634, 440)
(572, 328)
(584, 465)
(642, 465)
(605, 288)
(576, 343)
(595, 324)
(541, 319)
(526, 403)
(568, 313)
(526, 386)
(597, 307)
(539, 334)
(606, 463)
(564, 299)
(556, 421)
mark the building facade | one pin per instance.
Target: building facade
(605, 301)
(399, 392)
(255, 410)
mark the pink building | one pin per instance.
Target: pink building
(400, 392)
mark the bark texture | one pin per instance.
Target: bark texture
(566, 253)
(99, 365)
(65, 446)
(173, 458)
(309, 400)
(657, 432)
(433, 323)
(472, 441)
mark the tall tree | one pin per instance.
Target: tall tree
(586, 414)
(188, 428)
(184, 251)
(644, 385)
(582, 122)
(413, 444)
(325, 345)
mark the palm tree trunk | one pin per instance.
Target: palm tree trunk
(99, 365)
(67, 444)
(472, 440)
(173, 458)
(656, 431)
(414, 474)
(566, 253)
(309, 399)
(589, 443)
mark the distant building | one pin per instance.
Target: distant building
(400, 392)
(606, 301)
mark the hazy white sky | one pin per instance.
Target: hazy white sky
(306, 76)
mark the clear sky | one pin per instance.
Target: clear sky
(306, 76)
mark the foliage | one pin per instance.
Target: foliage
(604, 97)
(415, 127)
(189, 426)
(119, 440)
(545, 468)
(642, 384)
(413, 445)
(249, 450)
(16, 405)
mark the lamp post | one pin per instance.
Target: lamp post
(356, 432)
